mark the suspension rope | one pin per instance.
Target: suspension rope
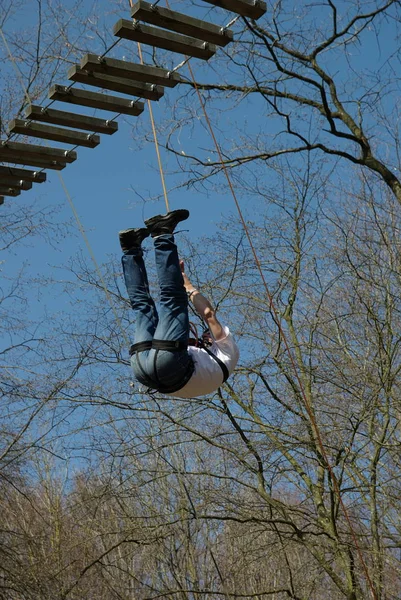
(284, 338)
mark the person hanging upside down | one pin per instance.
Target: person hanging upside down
(161, 356)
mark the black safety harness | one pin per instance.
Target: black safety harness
(173, 346)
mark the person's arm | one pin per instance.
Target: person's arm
(203, 307)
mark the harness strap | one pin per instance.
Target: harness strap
(222, 366)
(140, 347)
(171, 345)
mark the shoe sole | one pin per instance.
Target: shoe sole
(176, 216)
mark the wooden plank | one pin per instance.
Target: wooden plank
(245, 8)
(57, 134)
(128, 70)
(35, 176)
(95, 100)
(43, 152)
(8, 191)
(175, 21)
(69, 119)
(20, 158)
(163, 39)
(117, 84)
(15, 182)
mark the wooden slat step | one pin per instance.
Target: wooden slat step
(96, 100)
(57, 134)
(35, 176)
(69, 119)
(127, 70)
(8, 191)
(245, 8)
(20, 158)
(175, 21)
(43, 152)
(116, 84)
(163, 39)
(15, 182)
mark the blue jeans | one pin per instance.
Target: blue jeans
(159, 369)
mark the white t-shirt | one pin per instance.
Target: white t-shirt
(208, 375)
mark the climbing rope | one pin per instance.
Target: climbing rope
(155, 138)
(156, 141)
(281, 330)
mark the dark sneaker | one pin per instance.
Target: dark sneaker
(132, 238)
(162, 224)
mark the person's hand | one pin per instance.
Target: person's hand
(188, 285)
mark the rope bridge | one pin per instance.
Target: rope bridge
(151, 25)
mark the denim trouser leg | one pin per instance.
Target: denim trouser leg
(136, 282)
(171, 367)
(146, 317)
(173, 311)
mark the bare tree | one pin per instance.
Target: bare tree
(300, 69)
